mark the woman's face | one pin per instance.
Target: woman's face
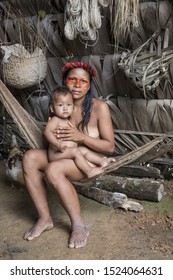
(78, 81)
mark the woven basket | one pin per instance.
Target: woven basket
(149, 63)
(25, 71)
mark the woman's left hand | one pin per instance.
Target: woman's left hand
(68, 133)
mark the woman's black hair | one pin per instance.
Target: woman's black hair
(86, 105)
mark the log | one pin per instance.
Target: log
(116, 200)
(137, 171)
(138, 188)
(103, 196)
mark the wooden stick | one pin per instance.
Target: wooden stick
(27, 125)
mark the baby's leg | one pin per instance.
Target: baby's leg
(91, 156)
(95, 158)
(79, 159)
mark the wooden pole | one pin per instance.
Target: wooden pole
(27, 125)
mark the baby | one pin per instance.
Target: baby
(61, 106)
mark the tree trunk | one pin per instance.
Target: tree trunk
(103, 196)
(114, 199)
(143, 189)
(137, 171)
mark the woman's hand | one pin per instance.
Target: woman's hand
(68, 133)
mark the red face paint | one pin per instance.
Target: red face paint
(81, 83)
(78, 82)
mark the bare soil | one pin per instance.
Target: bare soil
(114, 234)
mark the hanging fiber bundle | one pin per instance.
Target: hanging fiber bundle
(83, 18)
(104, 3)
(85, 26)
(95, 15)
(124, 16)
(74, 7)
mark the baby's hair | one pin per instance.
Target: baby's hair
(59, 90)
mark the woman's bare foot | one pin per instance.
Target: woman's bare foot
(106, 161)
(94, 171)
(40, 226)
(78, 237)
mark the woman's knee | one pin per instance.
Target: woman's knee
(58, 171)
(54, 171)
(28, 158)
(34, 159)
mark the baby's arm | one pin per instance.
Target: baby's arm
(49, 135)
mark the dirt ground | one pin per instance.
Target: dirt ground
(115, 234)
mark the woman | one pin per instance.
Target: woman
(91, 126)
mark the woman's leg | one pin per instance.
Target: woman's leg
(60, 174)
(34, 162)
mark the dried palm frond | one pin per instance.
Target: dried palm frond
(135, 114)
(23, 30)
(29, 7)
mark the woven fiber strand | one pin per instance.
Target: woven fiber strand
(23, 72)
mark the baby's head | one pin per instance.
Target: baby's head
(61, 102)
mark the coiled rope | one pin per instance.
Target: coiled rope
(83, 18)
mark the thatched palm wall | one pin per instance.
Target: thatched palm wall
(130, 109)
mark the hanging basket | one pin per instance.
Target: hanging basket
(22, 69)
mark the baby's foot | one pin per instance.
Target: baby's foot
(37, 230)
(106, 161)
(78, 237)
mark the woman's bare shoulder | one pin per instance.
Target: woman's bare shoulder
(99, 104)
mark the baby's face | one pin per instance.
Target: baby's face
(63, 106)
